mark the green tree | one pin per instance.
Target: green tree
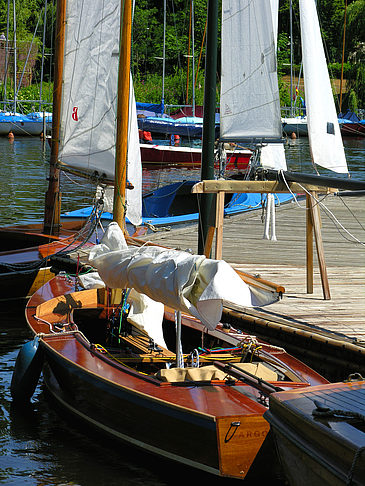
(355, 29)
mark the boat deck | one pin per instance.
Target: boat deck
(284, 262)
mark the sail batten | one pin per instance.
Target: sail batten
(250, 106)
(323, 129)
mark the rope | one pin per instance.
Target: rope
(327, 211)
(324, 412)
(92, 222)
(270, 218)
(155, 229)
(352, 468)
(321, 412)
(194, 357)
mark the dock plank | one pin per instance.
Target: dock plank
(284, 261)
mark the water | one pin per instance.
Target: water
(39, 446)
(24, 169)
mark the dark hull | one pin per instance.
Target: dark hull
(320, 450)
(23, 252)
(152, 425)
(352, 129)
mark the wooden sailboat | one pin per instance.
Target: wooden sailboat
(112, 356)
(125, 388)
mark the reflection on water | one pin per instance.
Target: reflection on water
(38, 446)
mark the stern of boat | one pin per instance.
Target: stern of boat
(239, 441)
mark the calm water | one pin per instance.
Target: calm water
(38, 446)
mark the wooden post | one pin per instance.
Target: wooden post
(52, 209)
(209, 241)
(313, 218)
(314, 210)
(219, 215)
(309, 245)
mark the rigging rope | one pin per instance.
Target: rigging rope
(92, 221)
(326, 210)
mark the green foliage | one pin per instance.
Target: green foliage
(30, 93)
(148, 88)
(148, 44)
(355, 24)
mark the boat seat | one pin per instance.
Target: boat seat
(260, 370)
(206, 373)
(210, 372)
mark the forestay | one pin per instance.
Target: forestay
(323, 129)
(89, 98)
(185, 282)
(250, 106)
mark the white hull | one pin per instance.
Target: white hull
(21, 128)
(295, 125)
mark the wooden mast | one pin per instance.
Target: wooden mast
(121, 149)
(53, 196)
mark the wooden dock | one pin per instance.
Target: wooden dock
(283, 261)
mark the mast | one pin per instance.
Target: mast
(343, 54)
(119, 207)
(6, 57)
(164, 54)
(207, 164)
(15, 66)
(193, 49)
(291, 57)
(44, 40)
(53, 197)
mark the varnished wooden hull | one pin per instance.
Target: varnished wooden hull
(322, 450)
(214, 427)
(134, 418)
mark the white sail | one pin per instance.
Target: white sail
(250, 105)
(323, 129)
(273, 154)
(134, 165)
(90, 78)
(89, 98)
(185, 282)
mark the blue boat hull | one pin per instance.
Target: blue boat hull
(174, 204)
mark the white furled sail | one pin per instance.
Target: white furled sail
(89, 98)
(250, 105)
(185, 282)
(134, 165)
(323, 129)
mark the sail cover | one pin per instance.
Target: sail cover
(323, 129)
(250, 105)
(185, 282)
(89, 96)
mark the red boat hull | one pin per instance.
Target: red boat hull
(157, 156)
